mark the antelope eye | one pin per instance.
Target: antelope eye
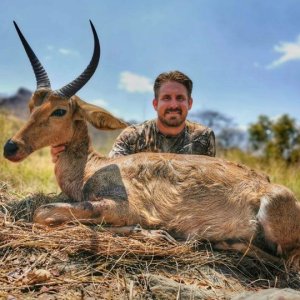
(59, 113)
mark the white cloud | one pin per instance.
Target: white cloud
(106, 105)
(134, 83)
(289, 51)
(100, 102)
(65, 51)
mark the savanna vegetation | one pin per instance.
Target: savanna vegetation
(270, 146)
(85, 262)
(36, 173)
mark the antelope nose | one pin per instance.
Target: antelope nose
(10, 148)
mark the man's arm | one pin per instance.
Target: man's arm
(211, 148)
(125, 143)
(202, 140)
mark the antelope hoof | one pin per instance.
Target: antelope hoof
(158, 235)
(51, 215)
(52, 222)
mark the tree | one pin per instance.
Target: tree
(228, 135)
(260, 132)
(212, 119)
(285, 135)
(276, 139)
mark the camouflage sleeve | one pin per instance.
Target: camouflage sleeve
(211, 148)
(125, 143)
(203, 141)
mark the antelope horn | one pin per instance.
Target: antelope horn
(42, 80)
(73, 87)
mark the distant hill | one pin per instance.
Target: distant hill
(17, 106)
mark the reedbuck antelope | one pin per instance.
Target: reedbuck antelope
(190, 196)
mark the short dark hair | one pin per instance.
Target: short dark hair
(173, 76)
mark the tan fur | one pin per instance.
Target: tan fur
(196, 197)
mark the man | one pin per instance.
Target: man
(170, 131)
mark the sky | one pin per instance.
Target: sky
(243, 56)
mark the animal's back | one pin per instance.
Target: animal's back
(191, 194)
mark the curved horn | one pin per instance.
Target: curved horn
(42, 80)
(73, 87)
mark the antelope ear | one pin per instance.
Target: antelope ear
(98, 117)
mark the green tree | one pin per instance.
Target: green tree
(276, 139)
(260, 132)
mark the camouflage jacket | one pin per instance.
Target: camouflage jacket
(194, 139)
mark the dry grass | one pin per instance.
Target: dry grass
(278, 170)
(87, 262)
(36, 173)
(81, 262)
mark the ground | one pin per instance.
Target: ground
(86, 262)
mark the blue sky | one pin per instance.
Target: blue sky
(243, 56)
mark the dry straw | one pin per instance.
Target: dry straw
(86, 262)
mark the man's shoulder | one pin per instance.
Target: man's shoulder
(138, 129)
(142, 126)
(147, 123)
(197, 128)
(202, 138)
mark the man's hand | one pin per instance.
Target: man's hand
(55, 151)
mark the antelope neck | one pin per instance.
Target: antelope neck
(71, 168)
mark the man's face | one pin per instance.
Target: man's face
(172, 104)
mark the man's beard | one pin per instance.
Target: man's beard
(175, 120)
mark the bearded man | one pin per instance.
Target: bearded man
(170, 132)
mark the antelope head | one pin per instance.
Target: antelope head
(53, 113)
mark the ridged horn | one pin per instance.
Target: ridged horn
(42, 80)
(73, 87)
